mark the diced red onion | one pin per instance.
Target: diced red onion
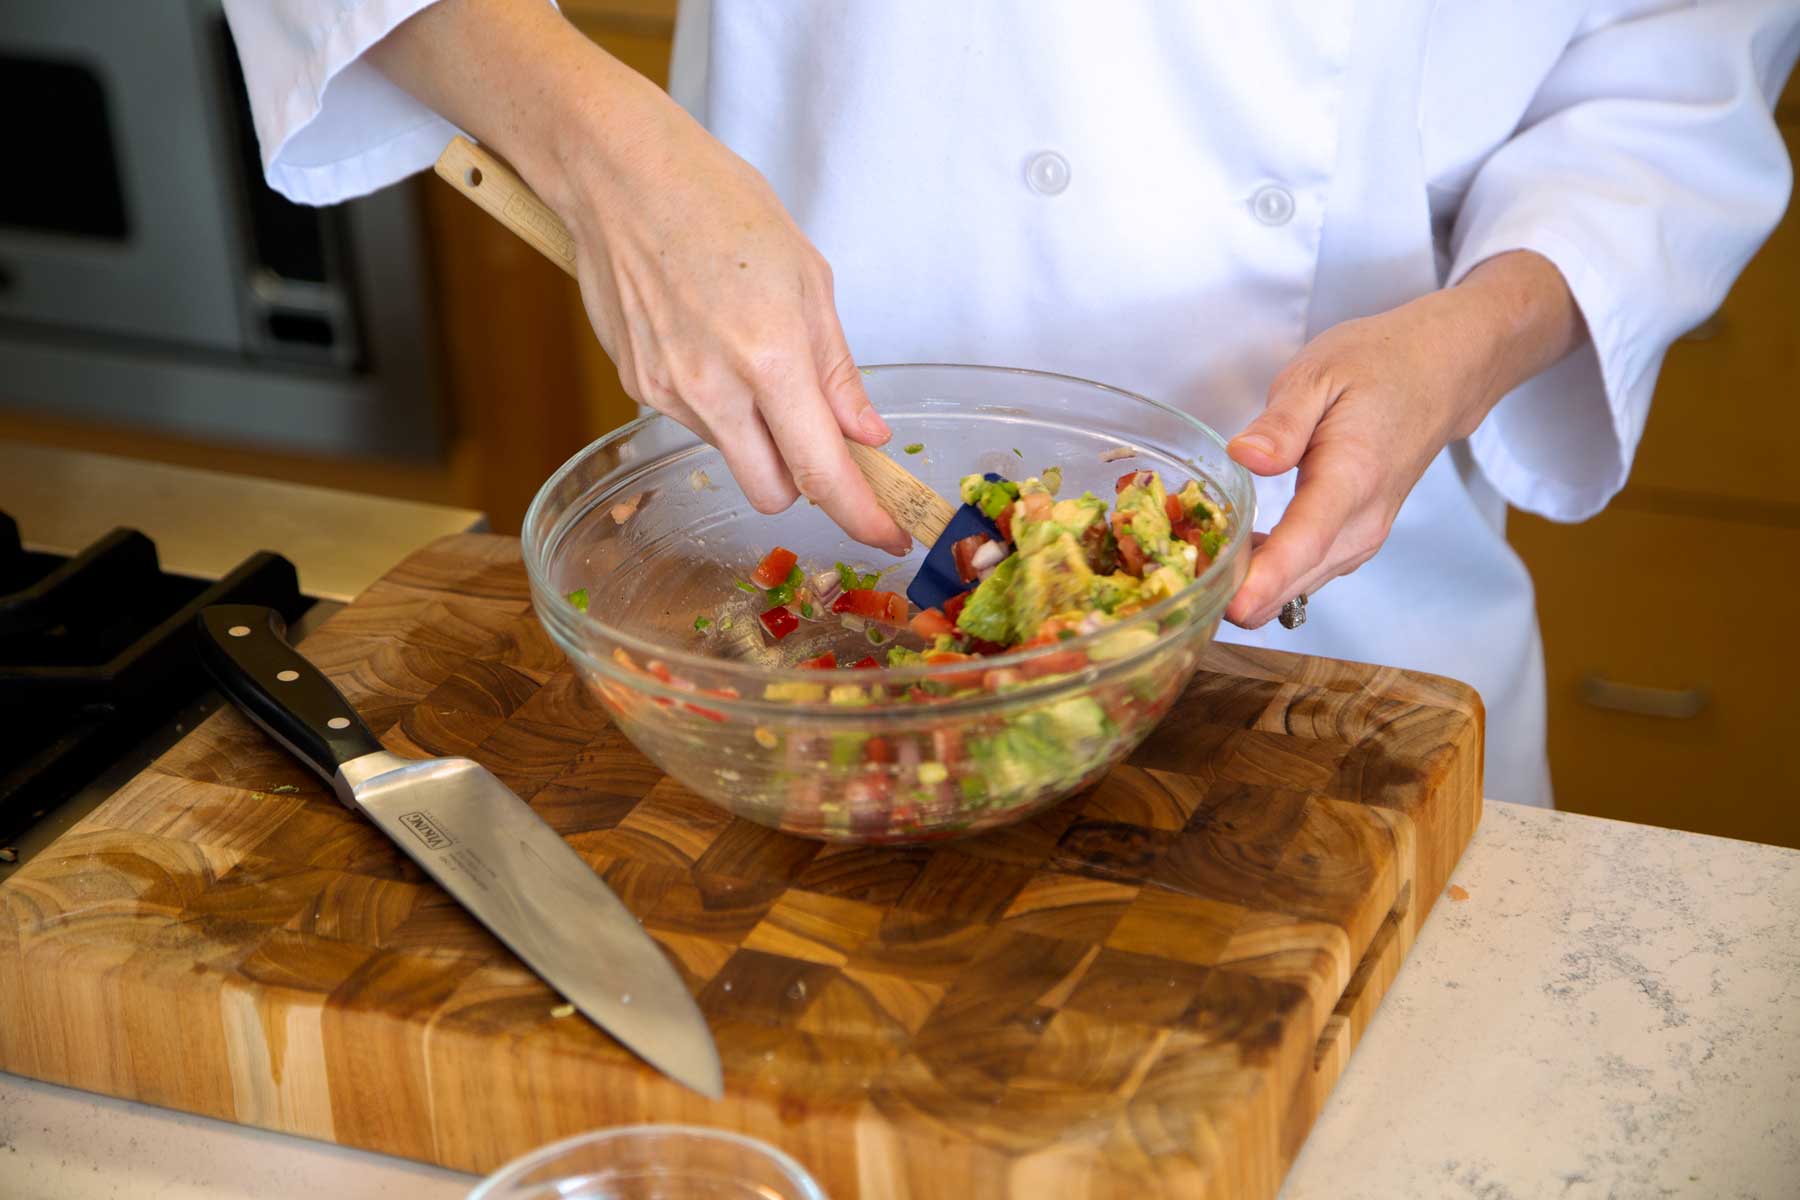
(988, 556)
(1118, 452)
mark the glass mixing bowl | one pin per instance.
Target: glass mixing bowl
(649, 523)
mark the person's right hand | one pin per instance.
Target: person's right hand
(719, 313)
(715, 307)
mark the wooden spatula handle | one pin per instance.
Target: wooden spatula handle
(914, 507)
(494, 186)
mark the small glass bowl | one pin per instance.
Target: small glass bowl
(652, 1162)
(648, 522)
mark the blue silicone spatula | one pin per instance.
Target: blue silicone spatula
(923, 513)
(929, 518)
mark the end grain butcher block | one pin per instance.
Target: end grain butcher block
(1145, 992)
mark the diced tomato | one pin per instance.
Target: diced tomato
(1004, 523)
(1194, 536)
(877, 750)
(775, 567)
(709, 713)
(964, 554)
(1131, 555)
(659, 670)
(886, 607)
(954, 605)
(996, 679)
(1037, 505)
(947, 745)
(930, 623)
(1063, 662)
(865, 663)
(779, 621)
(824, 662)
(958, 679)
(1172, 506)
(1140, 478)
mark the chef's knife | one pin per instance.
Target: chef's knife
(481, 843)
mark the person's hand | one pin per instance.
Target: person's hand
(1365, 406)
(714, 306)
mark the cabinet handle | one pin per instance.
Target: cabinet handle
(1674, 704)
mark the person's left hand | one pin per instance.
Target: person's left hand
(1365, 406)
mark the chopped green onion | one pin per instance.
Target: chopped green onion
(578, 598)
(1019, 452)
(1065, 635)
(741, 586)
(874, 636)
(915, 447)
(702, 623)
(806, 609)
(725, 623)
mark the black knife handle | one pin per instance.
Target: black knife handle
(244, 648)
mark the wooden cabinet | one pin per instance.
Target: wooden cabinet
(1668, 630)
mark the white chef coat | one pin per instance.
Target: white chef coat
(1173, 197)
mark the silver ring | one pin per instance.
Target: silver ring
(1293, 613)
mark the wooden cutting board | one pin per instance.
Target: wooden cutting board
(1148, 991)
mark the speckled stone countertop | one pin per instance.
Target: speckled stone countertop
(1595, 1010)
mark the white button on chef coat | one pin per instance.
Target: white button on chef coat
(1273, 205)
(1628, 141)
(1048, 173)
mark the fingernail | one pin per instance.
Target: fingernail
(872, 424)
(1256, 442)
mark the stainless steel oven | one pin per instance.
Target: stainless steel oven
(149, 277)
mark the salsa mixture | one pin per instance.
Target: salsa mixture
(1061, 568)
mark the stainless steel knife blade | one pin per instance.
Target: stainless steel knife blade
(479, 842)
(516, 875)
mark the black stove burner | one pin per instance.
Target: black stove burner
(96, 651)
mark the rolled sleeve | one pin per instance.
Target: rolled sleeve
(329, 124)
(1648, 170)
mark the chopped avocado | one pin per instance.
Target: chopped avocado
(702, 623)
(579, 599)
(1052, 478)
(900, 656)
(1145, 508)
(1078, 718)
(1121, 644)
(848, 694)
(797, 693)
(1211, 542)
(915, 447)
(992, 497)
(1052, 580)
(988, 614)
(1073, 517)
(932, 773)
(1110, 591)
(847, 748)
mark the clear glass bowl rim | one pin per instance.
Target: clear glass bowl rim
(512, 1172)
(537, 569)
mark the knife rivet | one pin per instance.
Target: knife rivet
(287, 676)
(239, 631)
(339, 722)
